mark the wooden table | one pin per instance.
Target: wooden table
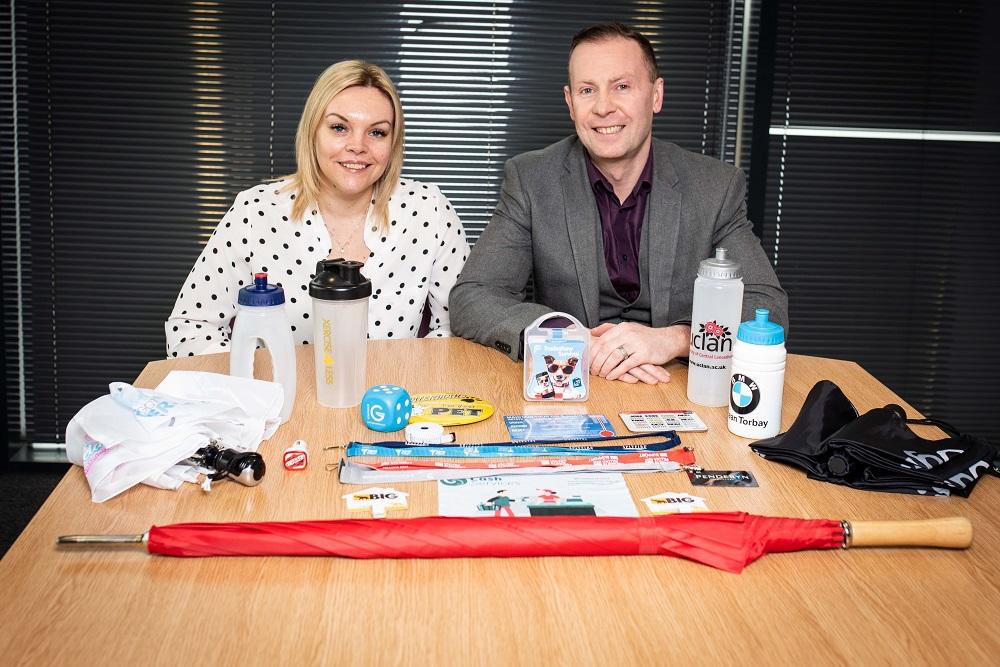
(101, 606)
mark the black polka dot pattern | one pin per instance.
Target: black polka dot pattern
(426, 256)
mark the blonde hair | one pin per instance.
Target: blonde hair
(306, 182)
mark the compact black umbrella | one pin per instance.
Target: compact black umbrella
(877, 450)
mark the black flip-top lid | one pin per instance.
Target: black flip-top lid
(339, 280)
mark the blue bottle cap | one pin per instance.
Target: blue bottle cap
(760, 331)
(260, 293)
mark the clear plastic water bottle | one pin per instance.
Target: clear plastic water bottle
(340, 296)
(716, 312)
(260, 316)
(758, 379)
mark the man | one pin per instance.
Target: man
(612, 224)
(501, 503)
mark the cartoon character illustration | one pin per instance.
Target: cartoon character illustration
(501, 502)
(548, 496)
(545, 389)
(560, 372)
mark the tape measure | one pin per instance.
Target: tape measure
(449, 409)
(428, 433)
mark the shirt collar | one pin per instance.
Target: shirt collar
(598, 180)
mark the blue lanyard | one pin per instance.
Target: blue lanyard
(668, 440)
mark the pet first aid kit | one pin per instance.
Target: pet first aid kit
(556, 360)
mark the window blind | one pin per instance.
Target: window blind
(137, 123)
(884, 244)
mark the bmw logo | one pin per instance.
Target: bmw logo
(744, 396)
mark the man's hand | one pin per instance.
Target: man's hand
(635, 353)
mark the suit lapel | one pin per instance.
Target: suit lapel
(664, 219)
(583, 225)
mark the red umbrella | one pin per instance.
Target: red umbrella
(725, 540)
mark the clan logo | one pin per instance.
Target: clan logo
(712, 337)
(744, 396)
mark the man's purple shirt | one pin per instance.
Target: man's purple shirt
(621, 226)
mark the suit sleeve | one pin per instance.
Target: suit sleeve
(488, 301)
(734, 232)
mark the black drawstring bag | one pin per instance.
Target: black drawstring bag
(877, 450)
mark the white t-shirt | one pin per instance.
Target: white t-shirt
(416, 260)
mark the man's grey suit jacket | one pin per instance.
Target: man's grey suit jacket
(546, 225)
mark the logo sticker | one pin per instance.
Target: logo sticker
(377, 499)
(745, 395)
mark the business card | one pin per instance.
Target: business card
(525, 428)
(721, 478)
(662, 420)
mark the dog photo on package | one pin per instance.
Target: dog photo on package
(555, 361)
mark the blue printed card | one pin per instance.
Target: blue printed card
(531, 428)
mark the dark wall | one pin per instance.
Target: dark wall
(886, 246)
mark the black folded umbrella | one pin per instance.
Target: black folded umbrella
(877, 450)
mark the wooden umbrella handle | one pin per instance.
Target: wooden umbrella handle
(951, 533)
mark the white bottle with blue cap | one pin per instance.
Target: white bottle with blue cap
(758, 378)
(260, 316)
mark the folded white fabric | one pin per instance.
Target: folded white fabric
(137, 435)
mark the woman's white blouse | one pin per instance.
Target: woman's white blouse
(416, 260)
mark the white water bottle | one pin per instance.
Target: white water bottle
(715, 314)
(340, 296)
(260, 316)
(758, 379)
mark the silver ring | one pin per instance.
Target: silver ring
(622, 351)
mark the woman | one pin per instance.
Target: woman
(346, 200)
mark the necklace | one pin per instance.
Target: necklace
(355, 223)
(342, 247)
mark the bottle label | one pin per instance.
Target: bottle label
(755, 403)
(327, 353)
(712, 345)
